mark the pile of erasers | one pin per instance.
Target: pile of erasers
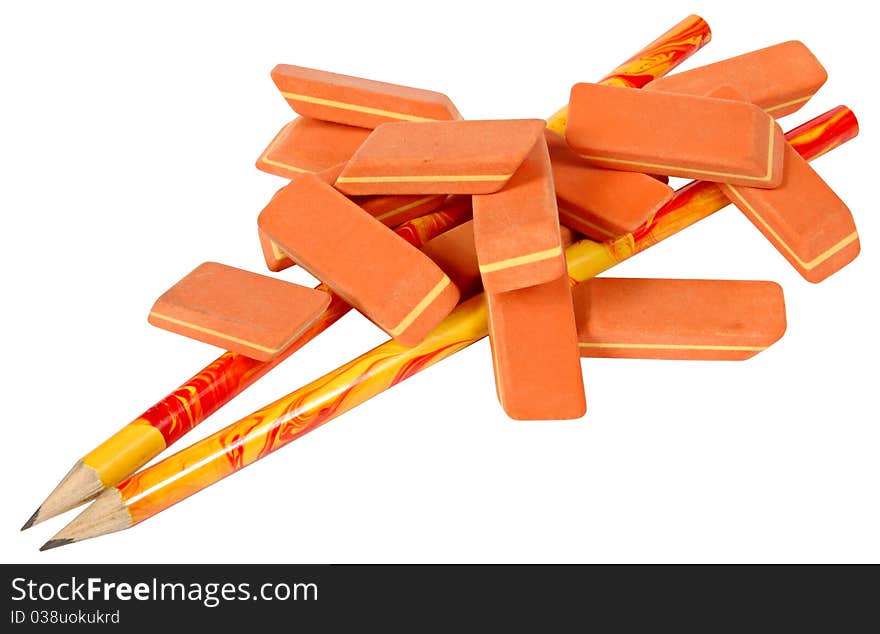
(365, 156)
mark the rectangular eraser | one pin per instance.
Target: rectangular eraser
(780, 78)
(674, 134)
(446, 157)
(804, 219)
(400, 289)
(244, 312)
(357, 101)
(310, 145)
(535, 356)
(601, 203)
(516, 230)
(630, 318)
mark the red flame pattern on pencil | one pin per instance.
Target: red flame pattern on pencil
(456, 210)
(670, 50)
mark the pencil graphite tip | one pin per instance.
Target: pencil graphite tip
(32, 520)
(55, 543)
(107, 514)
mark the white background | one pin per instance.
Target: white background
(127, 141)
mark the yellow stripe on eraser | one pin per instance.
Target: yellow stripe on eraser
(631, 318)
(357, 101)
(779, 78)
(390, 281)
(310, 145)
(443, 157)
(245, 312)
(675, 135)
(516, 230)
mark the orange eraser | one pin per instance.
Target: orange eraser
(535, 352)
(628, 318)
(674, 134)
(804, 219)
(445, 157)
(310, 145)
(601, 203)
(245, 312)
(516, 230)
(455, 253)
(400, 289)
(356, 101)
(780, 78)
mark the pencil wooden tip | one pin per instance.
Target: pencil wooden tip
(55, 543)
(80, 485)
(107, 514)
(32, 520)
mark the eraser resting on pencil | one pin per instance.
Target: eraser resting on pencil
(310, 145)
(356, 101)
(447, 157)
(276, 259)
(675, 134)
(804, 219)
(455, 253)
(516, 230)
(630, 318)
(780, 78)
(535, 355)
(601, 203)
(244, 312)
(376, 271)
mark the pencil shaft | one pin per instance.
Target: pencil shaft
(230, 374)
(272, 427)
